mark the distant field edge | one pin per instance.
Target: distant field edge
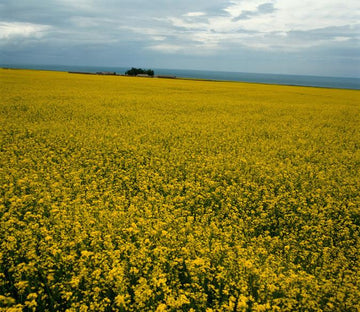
(182, 78)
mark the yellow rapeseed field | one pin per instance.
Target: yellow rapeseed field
(138, 194)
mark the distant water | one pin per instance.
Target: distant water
(297, 80)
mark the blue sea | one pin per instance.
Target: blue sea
(296, 80)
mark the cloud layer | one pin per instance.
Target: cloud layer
(162, 31)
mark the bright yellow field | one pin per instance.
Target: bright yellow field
(137, 194)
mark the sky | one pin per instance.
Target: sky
(303, 37)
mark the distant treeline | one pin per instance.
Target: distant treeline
(139, 71)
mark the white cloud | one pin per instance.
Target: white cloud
(236, 8)
(212, 27)
(189, 25)
(194, 14)
(295, 14)
(187, 48)
(10, 30)
(266, 24)
(341, 39)
(158, 38)
(166, 48)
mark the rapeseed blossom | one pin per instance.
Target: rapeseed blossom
(130, 194)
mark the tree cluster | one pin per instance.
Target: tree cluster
(136, 71)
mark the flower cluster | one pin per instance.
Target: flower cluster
(120, 194)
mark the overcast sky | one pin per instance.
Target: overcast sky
(318, 37)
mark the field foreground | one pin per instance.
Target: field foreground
(135, 194)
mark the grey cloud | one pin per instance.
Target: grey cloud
(121, 32)
(328, 33)
(264, 8)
